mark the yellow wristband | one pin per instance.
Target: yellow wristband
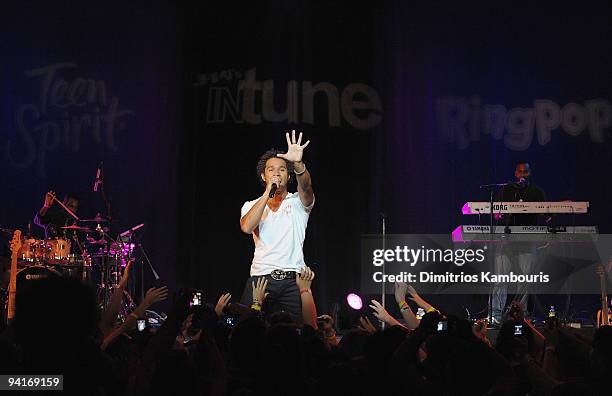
(256, 307)
(403, 305)
(431, 309)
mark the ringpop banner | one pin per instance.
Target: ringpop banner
(559, 263)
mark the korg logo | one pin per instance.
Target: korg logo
(500, 207)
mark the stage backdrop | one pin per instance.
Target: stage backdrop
(409, 110)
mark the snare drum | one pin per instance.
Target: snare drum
(57, 249)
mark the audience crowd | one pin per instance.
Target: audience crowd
(230, 349)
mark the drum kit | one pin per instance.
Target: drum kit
(89, 254)
(86, 250)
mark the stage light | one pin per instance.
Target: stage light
(354, 301)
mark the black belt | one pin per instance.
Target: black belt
(280, 274)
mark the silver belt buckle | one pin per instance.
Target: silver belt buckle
(278, 275)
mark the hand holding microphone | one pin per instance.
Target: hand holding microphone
(273, 186)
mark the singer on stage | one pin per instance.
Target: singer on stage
(277, 220)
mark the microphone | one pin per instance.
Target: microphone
(98, 178)
(522, 183)
(273, 190)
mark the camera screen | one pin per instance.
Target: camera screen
(141, 324)
(230, 321)
(196, 299)
(518, 330)
(442, 326)
(420, 313)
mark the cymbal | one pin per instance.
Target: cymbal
(76, 228)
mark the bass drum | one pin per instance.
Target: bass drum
(34, 273)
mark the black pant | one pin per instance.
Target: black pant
(284, 296)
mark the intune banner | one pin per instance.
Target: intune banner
(236, 97)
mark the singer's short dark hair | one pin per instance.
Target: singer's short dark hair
(261, 164)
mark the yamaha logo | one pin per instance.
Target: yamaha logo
(476, 228)
(34, 277)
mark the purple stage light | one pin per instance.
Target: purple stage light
(354, 301)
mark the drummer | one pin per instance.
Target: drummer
(52, 219)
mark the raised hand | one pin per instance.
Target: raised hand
(155, 295)
(49, 199)
(304, 280)
(126, 274)
(414, 296)
(366, 325)
(515, 312)
(295, 151)
(381, 313)
(259, 290)
(480, 331)
(221, 303)
(400, 289)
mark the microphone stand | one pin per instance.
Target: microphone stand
(130, 234)
(106, 262)
(492, 188)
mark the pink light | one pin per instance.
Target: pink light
(466, 209)
(354, 301)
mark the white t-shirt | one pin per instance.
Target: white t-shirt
(280, 236)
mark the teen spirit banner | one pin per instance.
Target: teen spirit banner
(60, 107)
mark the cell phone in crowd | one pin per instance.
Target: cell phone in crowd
(141, 324)
(420, 313)
(230, 321)
(196, 299)
(442, 325)
(518, 330)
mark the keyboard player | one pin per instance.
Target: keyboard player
(523, 190)
(519, 257)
